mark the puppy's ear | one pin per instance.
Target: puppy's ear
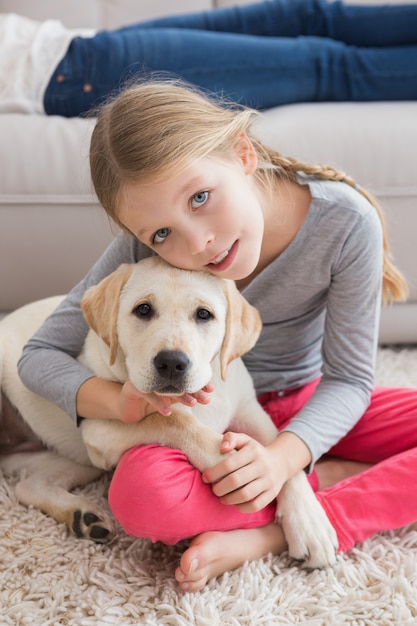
(243, 326)
(100, 306)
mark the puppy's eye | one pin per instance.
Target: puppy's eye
(203, 315)
(143, 310)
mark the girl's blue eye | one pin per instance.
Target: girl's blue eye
(160, 235)
(199, 199)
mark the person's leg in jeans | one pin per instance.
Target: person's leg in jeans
(364, 25)
(260, 72)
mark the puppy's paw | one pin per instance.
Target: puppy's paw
(311, 539)
(310, 536)
(93, 525)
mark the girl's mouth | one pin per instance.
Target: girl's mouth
(224, 260)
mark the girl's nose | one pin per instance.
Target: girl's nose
(198, 241)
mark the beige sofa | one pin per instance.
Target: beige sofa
(52, 229)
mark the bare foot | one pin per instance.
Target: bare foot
(213, 553)
(331, 470)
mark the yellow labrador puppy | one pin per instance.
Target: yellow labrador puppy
(170, 331)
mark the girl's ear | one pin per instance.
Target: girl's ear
(246, 153)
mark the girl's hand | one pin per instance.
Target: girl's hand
(252, 477)
(134, 405)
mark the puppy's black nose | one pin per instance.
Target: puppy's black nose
(171, 363)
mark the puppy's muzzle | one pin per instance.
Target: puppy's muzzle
(172, 365)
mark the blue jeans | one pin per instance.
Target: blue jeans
(262, 55)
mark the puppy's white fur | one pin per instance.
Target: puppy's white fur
(141, 317)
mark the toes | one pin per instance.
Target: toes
(89, 525)
(188, 584)
(193, 587)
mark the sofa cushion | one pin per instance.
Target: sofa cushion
(51, 226)
(100, 13)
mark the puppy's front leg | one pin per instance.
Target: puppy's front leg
(107, 440)
(308, 531)
(255, 422)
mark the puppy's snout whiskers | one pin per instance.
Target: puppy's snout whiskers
(172, 364)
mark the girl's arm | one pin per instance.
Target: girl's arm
(350, 341)
(256, 473)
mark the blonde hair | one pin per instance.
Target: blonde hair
(151, 128)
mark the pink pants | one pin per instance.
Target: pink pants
(156, 493)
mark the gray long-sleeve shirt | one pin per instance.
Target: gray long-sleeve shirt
(319, 301)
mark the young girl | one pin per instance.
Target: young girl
(185, 178)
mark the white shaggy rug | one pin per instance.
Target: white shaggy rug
(48, 577)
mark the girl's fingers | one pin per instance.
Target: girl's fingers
(243, 457)
(204, 395)
(258, 503)
(162, 403)
(237, 484)
(136, 405)
(246, 494)
(233, 441)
